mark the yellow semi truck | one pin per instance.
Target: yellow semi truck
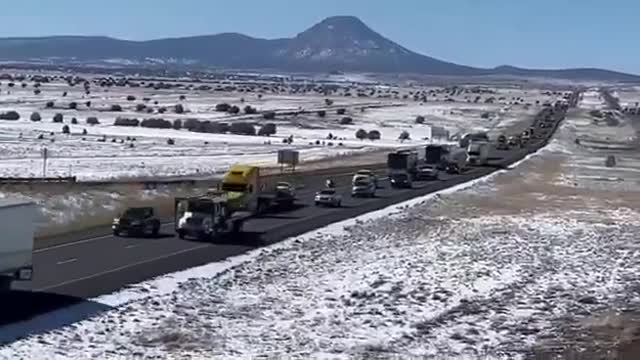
(238, 197)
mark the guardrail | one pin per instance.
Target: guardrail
(32, 180)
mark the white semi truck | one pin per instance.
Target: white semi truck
(17, 224)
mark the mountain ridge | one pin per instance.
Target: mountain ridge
(338, 43)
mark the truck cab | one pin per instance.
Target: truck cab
(206, 217)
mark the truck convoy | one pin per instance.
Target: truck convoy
(16, 251)
(240, 196)
(402, 166)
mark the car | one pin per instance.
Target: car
(363, 186)
(285, 187)
(328, 197)
(400, 180)
(369, 173)
(136, 221)
(427, 172)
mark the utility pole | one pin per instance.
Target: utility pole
(44, 162)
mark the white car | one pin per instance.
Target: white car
(328, 197)
(368, 173)
(285, 187)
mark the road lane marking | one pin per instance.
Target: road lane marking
(68, 261)
(131, 246)
(105, 272)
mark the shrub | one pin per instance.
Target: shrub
(116, 108)
(156, 123)
(10, 115)
(131, 98)
(191, 124)
(92, 120)
(346, 121)
(170, 142)
(250, 110)
(120, 121)
(267, 129)
(179, 109)
(241, 128)
(88, 103)
(177, 124)
(485, 115)
(404, 135)
(269, 115)
(141, 107)
(66, 129)
(419, 119)
(341, 111)
(58, 118)
(84, 132)
(224, 107)
(322, 113)
(162, 110)
(64, 94)
(74, 121)
(50, 104)
(361, 134)
(234, 110)
(35, 116)
(374, 135)
(37, 91)
(182, 97)
(328, 102)
(73, 105)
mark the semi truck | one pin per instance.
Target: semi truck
(16, 249)
(434, 155)
(455, 160)
(239, 196)
(402, 166)
(478, 153)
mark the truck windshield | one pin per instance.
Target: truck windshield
(234, 187)
(137, 213)
(200, 206)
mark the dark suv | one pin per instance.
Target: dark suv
(138, 221)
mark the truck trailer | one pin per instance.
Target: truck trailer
(402, 167)
(16, 249)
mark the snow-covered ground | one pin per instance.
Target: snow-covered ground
(89, 158)
(502, 268)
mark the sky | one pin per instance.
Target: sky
(485, 33)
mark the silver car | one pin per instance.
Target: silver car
(363, 187)
(328, 197)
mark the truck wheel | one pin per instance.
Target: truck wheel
(156, 231)
(339, 204)
(317, 203)
(237, 227)
(116, 233)
(181, 234)
(5, 284)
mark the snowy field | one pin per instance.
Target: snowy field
(521, 263)
(107, 152)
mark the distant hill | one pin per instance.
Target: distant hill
(340, 43)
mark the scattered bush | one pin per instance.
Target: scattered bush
(361, 134)
(419, 119)
(131, 98)
(177, 124)
(224, 107)
(73, 105)
(485, 115)
(234, 110)
(341, 111)
(116, 108)
(88, 103)
(120, 121)
(74, 121)
(250, 110)
(404, 135)
(328, 102)
(267, 129)
(141, 107)
(10, 115)
(58, 118)
(346, 121)
(179, 109)
(240, 128)
(269, 115)
(37, 91)
(170, 141)
(156, 123)
(374, 135)
(66, 130)
(50, 104)
(182, 98)
(191, 124)
(92, 120)
(35, 116)
(84, 132)
(64, 94)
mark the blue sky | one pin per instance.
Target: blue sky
(540, 33)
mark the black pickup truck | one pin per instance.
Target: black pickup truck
(137, 221)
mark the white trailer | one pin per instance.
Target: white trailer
(17, 223)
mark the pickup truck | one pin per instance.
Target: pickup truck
(137, 221)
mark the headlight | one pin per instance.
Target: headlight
(116, 221)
